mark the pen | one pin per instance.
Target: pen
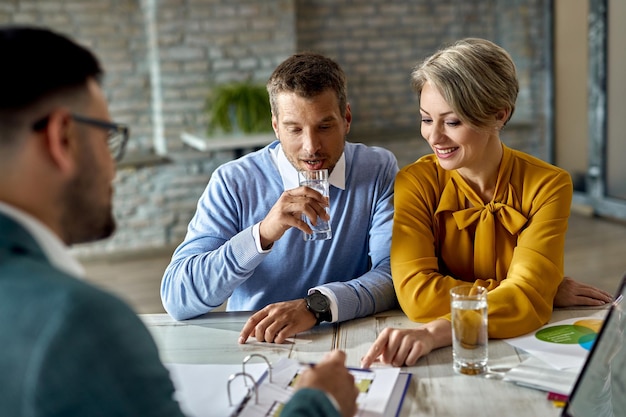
(312, 365)
(359, 369)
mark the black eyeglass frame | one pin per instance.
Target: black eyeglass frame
(114, 129)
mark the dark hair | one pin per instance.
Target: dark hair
(37, 62)
(308, 74)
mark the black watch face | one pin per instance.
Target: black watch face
(318, 302)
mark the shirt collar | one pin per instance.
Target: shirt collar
(56, 251)
(289, 174)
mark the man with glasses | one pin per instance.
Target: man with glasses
(69, 349)
(118, 133)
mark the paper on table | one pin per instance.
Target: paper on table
(534, 373)
(201, 389)
(564, 344)
(375, 388)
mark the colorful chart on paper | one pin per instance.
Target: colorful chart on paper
(563, 344)
(582, 332)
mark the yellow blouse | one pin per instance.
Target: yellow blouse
(443, 232)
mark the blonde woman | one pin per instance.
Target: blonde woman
(475, 210)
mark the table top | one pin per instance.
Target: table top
(434, 390)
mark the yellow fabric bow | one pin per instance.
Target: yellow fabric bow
(485, 237)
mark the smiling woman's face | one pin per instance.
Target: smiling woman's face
(311, 131)
(456, 144)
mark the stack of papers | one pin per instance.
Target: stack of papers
(534, 373)
(202, 389)
(558, 352)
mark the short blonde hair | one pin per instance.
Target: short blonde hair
(476, 77)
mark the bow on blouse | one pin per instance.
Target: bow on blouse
(485, 238)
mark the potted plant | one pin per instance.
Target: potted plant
(238, 107)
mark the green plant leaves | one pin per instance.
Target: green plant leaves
(238, 107)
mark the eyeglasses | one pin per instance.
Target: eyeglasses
(117, 133)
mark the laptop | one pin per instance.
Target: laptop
(600, 390)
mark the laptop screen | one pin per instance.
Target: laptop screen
(600, 390)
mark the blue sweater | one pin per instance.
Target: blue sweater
(218, 260)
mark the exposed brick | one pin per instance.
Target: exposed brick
(377, 42)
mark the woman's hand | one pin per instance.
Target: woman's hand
(403, 347)
(573, 293)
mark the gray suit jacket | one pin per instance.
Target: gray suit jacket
(69, 349)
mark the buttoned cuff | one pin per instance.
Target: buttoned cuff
(256, 234)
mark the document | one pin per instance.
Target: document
(203, 390)
(564, 344)
(558, 352)
(533, 373)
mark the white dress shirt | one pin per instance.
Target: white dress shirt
(289, 175)
(55, 250)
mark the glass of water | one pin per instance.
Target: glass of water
(317, 180)
(469, 329)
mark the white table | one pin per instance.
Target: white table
(435, 390)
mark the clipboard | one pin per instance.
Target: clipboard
(253, 389)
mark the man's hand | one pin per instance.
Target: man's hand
(573, 293)
(288, 211)
(278, 321)
(332, 377)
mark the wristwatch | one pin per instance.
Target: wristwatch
(318, 304)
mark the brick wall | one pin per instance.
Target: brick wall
(378, 42)
(161, 56)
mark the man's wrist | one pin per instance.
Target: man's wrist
(319, 305)
(258, 240)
